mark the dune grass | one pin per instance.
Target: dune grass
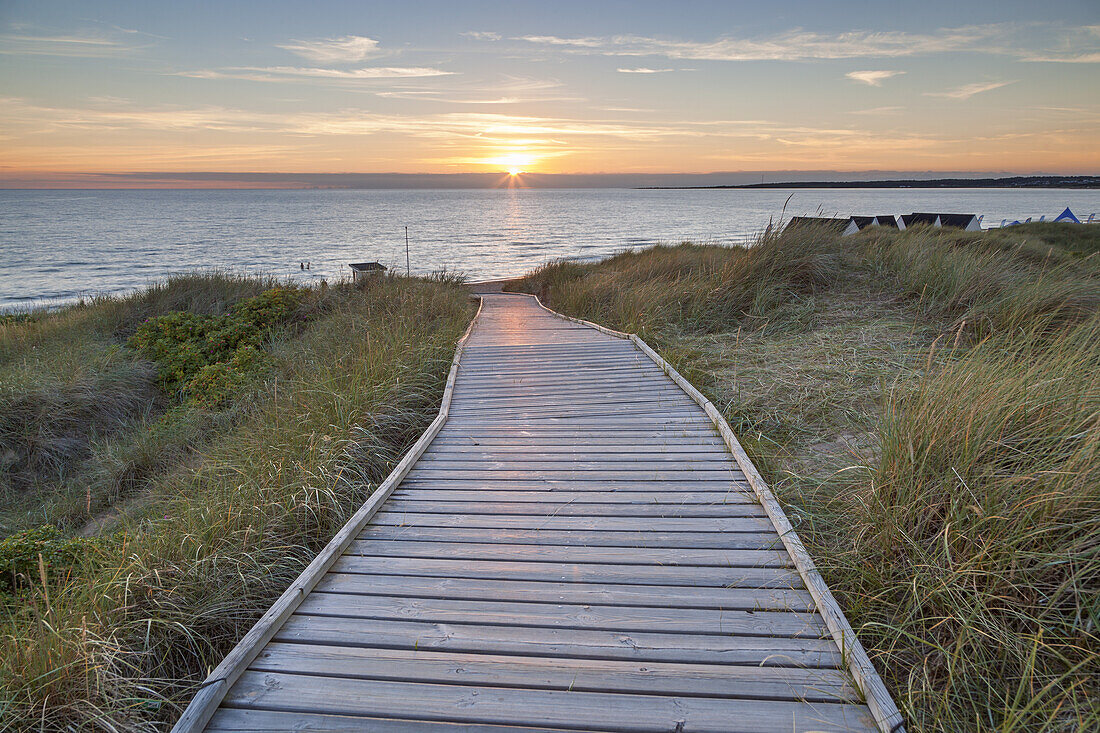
(927, 405)
(119, 637)
(82, 421)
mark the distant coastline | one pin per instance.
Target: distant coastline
(1072, 182)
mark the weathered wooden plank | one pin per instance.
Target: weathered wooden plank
(306, 693)
(540, 461)
(570, 509)
(653, 678)
(755, 651)
(542, 350)
(583, 451)
(609, 417)
(579, 406)
(566, 554)
(513, 389)
(580, 484)
(560, 615)
(535, 354)
(623, 373)
(232, 720)
(518, 398)
(572, 572)
(624, 365)
(654, 429)
(630, 524)
(580, 409)
(504, 388)
(430, 494)
(612, 441)
(643, 538)
(574, 426)
(512, 396)
(588, 355)
(534, 461)
(488, 385)
(479, 346)
(481, 589)
(428, 471)
(551, 405)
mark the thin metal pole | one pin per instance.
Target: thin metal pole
(408, 268)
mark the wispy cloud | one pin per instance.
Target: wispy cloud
(872, 78)
(70, 46)
(877, 111)
(22, 115)
(408, 94)
(347, 49)
(1053, 42)
(967, 91)
(1082, 58)
(1076, 45)
(295, 73)
(587, 42)
(794, 45)
(116, 114)
(482, 35)
(435, 97)
(496, 89)
(644, 70)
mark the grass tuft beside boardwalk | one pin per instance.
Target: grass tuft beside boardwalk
(197, 516)
(927, 405)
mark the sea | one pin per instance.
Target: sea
(57, 247)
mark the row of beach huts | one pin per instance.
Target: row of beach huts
(967, 222)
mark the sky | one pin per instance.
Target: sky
(289, 93)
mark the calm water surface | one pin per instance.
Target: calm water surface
(56, 246)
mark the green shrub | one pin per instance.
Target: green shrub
(60, 555)
(206, 358)
(215, 384)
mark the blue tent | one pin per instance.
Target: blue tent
(1068, 216)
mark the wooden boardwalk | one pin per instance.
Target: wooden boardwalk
(574, 546)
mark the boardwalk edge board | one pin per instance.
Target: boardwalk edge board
(882, 706)
(213, 690)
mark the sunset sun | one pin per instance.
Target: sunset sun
(515, 163)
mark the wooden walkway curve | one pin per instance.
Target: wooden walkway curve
(573, 545)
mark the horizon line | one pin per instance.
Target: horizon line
(260, 180)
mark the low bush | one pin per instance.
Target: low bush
(205, 358)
